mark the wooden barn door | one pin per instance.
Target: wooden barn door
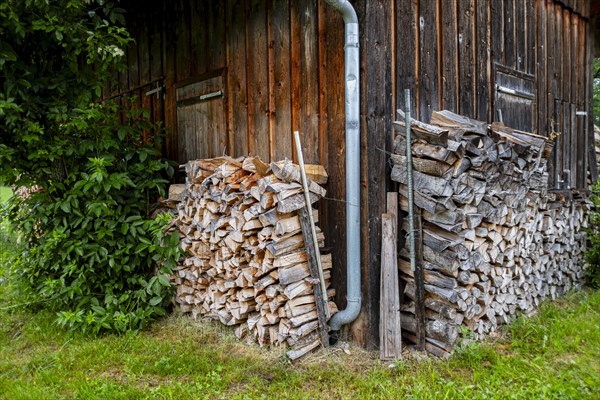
(201, 126)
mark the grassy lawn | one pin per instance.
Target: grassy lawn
(555, 355)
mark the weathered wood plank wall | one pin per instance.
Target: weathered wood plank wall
(280, 65)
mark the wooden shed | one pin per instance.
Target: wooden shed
(237, 77)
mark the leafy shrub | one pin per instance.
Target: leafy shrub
(55, 57)
(91, 248)
(592, 255)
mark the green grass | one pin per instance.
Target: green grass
(555, 355)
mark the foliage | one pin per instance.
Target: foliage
(90, 244)
(54, 58)
(554, 355)
(592, 255)
(91, 252)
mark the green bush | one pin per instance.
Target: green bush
(91, 250)
(592, 255)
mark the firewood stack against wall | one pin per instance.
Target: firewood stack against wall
(246, 264)
(496, 241)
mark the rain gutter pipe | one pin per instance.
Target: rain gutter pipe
(352, 109)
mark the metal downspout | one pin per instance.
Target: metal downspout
(352, 109)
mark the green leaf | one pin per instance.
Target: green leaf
(164, 280)
(65, 206)
(155, 300)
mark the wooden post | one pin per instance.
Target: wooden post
(419, 282)
(390, 337)
(311, 256)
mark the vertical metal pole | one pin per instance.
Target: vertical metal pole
(409, 169)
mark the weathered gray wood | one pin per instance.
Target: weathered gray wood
(446, 259)
(430, 167)
(431, 277)
(298, 353)
(429, 346)
(442, 331)
(435, 309)
(312, 255)
(426, 184)
(420, 130)
(426, 203)
(458, 124)
(433, 152)
(389, 325)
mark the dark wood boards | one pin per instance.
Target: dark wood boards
(541, 68)
(509, 34)
(428, 58)
(257, 69)
(406, 18)
(444, 52)
(482, 37)
(236, 79)
(281, 115)
(307, 20)
(216, 40)
(182, 40)
(466, 59)
(334, 209)
(198, 56)
(449, 56)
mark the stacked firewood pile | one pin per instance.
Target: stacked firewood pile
(247, 265)
(495, 242)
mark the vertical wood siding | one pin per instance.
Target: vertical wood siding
(281, 63)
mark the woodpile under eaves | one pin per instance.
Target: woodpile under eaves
(495, 241)
(247, 265)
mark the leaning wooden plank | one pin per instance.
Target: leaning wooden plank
(420, 130)
(419, 283)
(389, 325)
(320, 297)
